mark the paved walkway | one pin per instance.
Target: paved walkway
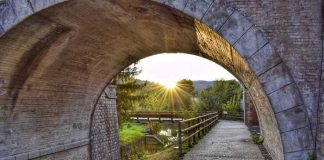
(228, 140)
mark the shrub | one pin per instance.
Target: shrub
(155, 127)
(257, 139)
(138, 156)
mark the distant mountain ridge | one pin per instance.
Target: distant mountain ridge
(201, 85)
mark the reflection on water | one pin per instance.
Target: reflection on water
(169, 134)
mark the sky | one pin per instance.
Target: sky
(164, 68)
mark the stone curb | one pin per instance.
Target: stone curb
(47, 151)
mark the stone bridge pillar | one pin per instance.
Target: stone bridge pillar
(104, 129)
(250, 114)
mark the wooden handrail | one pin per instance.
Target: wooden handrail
(191, 119)
(165, 114)
(196, 126)
(190, 136)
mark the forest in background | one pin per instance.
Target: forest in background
(137, 95)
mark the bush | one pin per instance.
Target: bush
(257, 139)
(155, 127)
(138, 156)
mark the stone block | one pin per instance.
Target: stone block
(8, 17)
(235, 27)
(275, 78)
(111, 91)
(23, 156)
(264, 59)
(84, 142)
(8, 158)
(285, 98)
(292, 119)
(21, 8)
(250, 42)
(42, 4)
(197, 8)
(300, 155)
(57, 148)
(320, 154)
(67, 146)
(2, 31)
(160, 1)
(320, 142)
(72, 145)
(178, 4)
(34, 154)
(321, 113)
(297, 140)
(217, 14)
(45, 151)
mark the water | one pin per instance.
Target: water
(169, 134)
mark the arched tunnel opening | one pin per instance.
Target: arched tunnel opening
(56, 63)
(159, 91)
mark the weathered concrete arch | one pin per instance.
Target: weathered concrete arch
(62, 54)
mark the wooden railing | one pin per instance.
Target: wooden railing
(166, 114)
(191, 129)
(233, 116)
(179, 114)
(158, 115)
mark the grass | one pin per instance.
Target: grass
(168, 153)
(130, 132)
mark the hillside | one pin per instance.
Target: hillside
(201, 85)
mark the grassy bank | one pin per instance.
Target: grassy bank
(169, 153)
(130, 132)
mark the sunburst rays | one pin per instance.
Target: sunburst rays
(174, 94)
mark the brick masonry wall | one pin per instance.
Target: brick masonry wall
(45, 98)
(320, 132)
(104, 130)
(294, 28)
(251, 117)
(48, 89)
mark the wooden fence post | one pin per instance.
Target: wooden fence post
(179, 139)
(199, 128)
(189, 133)
(194, 131)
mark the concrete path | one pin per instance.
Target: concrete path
(228, 140)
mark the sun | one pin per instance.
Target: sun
(169, 84)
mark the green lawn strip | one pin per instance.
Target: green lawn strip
(130, 132)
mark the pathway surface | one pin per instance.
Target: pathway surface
(228, 140)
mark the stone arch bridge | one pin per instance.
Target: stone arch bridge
(56, 58)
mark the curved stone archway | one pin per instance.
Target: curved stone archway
(55, 63)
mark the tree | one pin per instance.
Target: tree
(159, 98)
(128, 91)
(223, 95)
(153, 98)
(184, 93)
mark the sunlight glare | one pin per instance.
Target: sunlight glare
(169, 84)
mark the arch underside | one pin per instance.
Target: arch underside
(55, 64)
